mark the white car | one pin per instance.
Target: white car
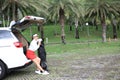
(13, 45)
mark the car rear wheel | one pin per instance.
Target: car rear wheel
(2, 70)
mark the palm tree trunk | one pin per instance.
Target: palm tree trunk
(16, 11)
(118, 27)
(61, 13)
(96, 26)
(114, 32)
(114, 25)
(70, 25)
(13, 11)
(114, 29)
(76, 29)
(41, 32)
(103, 29)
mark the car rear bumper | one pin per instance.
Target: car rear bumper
(21, 67)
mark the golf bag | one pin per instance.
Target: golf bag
(42, 56)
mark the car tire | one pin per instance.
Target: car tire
(2, 70)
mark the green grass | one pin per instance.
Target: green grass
(86, 50)
(85, 46)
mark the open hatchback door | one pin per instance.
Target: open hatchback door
(25, 22)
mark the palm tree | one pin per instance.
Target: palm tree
(23, 7)
(101, 9)
(19, 8)
(78, 15)
(1, 16)
(1, 2)
(115, 18)
(59, 9)
(10, 8)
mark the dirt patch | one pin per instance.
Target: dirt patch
(95, 68)
(74, 68)
(98, 68)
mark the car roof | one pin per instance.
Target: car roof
(5, 28)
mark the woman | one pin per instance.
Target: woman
(34, 45)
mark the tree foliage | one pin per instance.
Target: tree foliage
(77, 11)
(101, 9)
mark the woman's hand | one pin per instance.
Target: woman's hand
(40, 39)
(39, 42)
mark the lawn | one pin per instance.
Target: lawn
(86, 45)
(84, 49)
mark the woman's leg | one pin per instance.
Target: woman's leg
(37, 63)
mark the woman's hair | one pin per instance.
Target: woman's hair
(34, 35)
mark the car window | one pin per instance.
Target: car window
(4, 34)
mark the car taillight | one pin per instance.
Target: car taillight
(18, 44)
(27, 17)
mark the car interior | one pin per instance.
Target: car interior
(21, 39)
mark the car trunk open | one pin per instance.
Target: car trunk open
(22, 25)
(21, 39)
(25, 22)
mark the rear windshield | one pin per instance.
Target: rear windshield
(5, 34)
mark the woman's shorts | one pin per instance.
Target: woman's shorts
(31, 54)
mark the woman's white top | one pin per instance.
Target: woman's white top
(33, 45)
